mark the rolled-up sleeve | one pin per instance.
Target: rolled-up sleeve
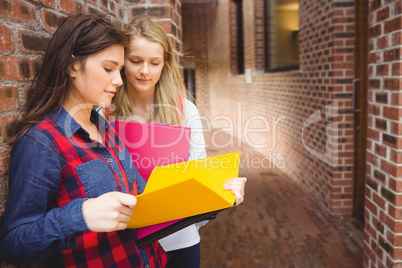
(32, 230)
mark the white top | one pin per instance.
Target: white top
(188, 236)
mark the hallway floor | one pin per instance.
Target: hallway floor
(278, 226)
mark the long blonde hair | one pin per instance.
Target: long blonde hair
(170, 91)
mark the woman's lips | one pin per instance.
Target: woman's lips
(111, 93)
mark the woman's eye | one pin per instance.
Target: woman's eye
(108, 70)
(135, 61)
(155, 63)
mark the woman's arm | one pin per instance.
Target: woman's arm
(32, 230)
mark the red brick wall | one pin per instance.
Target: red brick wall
(259, 34)
(383, 239)
(196, 17)
(285, 100)
(25, 29)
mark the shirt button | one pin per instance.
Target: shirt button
(122, 179)
(110, 160)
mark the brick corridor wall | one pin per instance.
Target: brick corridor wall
(279, 103)
(195, 51)
(383, 212)
(25, 29)
(327, 66)
(259, 33)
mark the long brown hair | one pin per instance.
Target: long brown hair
(170, 91)
(78, 37)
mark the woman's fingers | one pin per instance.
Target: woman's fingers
(124, 203)
(108, 212)
(236, 185)
(126, 199)
(126, 211)
(119, 217)
(239, 196)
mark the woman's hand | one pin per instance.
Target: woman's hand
(108, 212)
(236, 185)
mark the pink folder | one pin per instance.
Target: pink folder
(152, 145)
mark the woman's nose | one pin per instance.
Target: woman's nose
(144, 69)
(117, 81)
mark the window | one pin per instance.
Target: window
(281, 35)
(236, 36)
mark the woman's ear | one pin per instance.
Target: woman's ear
(74, 67)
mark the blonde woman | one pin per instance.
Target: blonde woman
(153, 91)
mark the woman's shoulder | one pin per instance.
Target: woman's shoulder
(47, 127)
(190, 107)
(36, 138)
(188, 102)
(191, 114)
(42, 133)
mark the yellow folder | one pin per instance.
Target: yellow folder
(186, 189)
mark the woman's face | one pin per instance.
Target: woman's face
(97, 82)
(143, 64)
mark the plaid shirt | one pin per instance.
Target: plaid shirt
(54, 168)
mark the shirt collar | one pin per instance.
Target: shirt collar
(68, 124)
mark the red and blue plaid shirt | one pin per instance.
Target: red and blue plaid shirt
(54, 168)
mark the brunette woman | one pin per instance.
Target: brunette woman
(72, 184)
